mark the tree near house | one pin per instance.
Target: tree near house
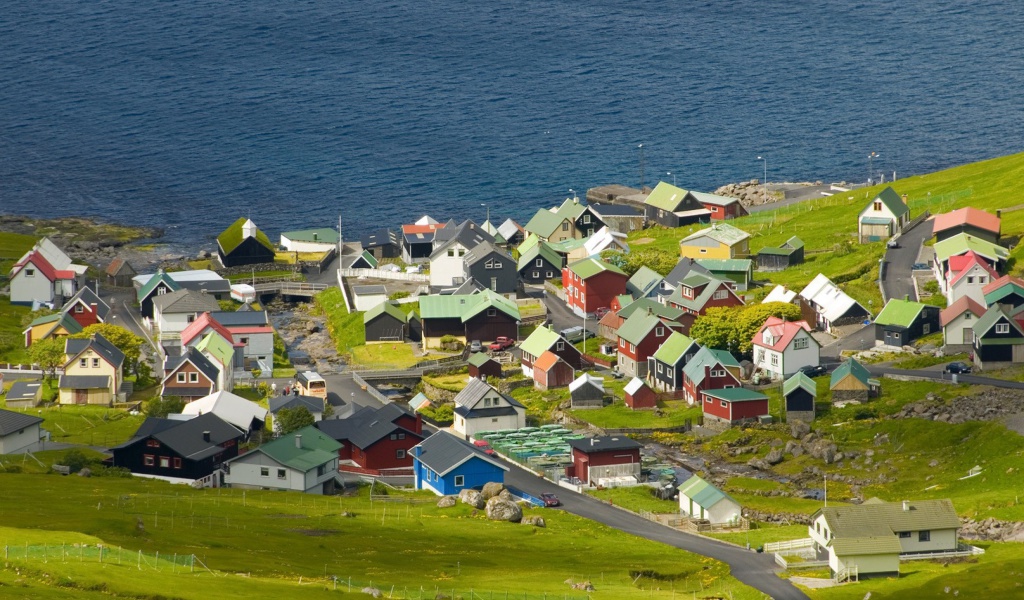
(659, 261)
(163, 406)
(125, 341)
(293, 419)
(733, 328)
(48, 354)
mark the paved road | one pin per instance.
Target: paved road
(862, 339)
(898, 262)
(935, 374)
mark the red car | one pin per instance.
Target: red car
(601, 312)
(501, 343)
(550, 500)
(483, 446)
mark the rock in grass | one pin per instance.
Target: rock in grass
(372, 591)
(499, 509)
(472, 498)
(491, 490)
(535, 520)
(446, 502)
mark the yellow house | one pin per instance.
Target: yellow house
(55, 325)
(92, 373)
(721, 240)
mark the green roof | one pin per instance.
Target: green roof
(155, 280)
(636, 328)
(694, 370)
(643, 281)
(465, 307)
(736, 394)
(722, 233)
(850, 367)
(776, 251)
(59, 319)
(220, 348)
(370, 258)
(876, 220)
(567, 246)
(541, 249)
(1008, 287)
(901, 313)
(624, 301)
(665, 196)
(875, 518)
(538, 342)
(588, 267)
(673, 348)
(317, 449)
(529, 242)
(995, 314)
(545, 222)
(230, 238)
(892, 201)
(726, 265)
(477, 359)
(961, 243)
(794, 243)
(322, 235)
(654, 306)
(382, 308)
(703, 493)
(799, 380)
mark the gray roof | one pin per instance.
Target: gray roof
(509, 228)
(381, 237)
(683, 269)
(477, 389)
(605, 444)
(198, 359)
(311, 403)
(13, 422)
(466, 233)
(75, 346)
(482, 413)
(185, 301)
(23, 390)
(367, 426)
(210, 285)
(88, 297)
(615, 210)
(241, 318)
(84, 382)
(485, 249)
(186, 437)
(366, 290)
(443, 452)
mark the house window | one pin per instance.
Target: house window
(147, 459)
(152, 443)
(494, 420)
(264, 471)
(688, 292)
(622, 343)
(536, 274)
(462, 252)
(393, 436)
(586, 218)
(565, 226)
(177, 462)
(539, 263)
(878, 205)
(401, 436)
(550, 275)
(800, 343)
(703, 250)
(905, 534)
(30, 272)
(981, 279)
(281, 473)
(160, 291)
(714, 209)
(721, 295)
(460, 480)
(661, 368)
(244, 341)
(660, 331)
(970, 280)
(968, 316)
(83, 363)
(718, 373)
(924, 536)
(559, 346)
(896, 335)
(399, 454)
(724, 404)
(191, 318)
(79, 309)
(927, 328)
(165, 462)
(487, 402)
(494, 284)
(321, 470)
(491, 312)
(181, 378)
(451, 252)
(775, 360)
(95, 363)
(1002, 328)
(632, 348)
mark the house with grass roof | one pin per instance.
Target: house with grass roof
(319, 240)
(242, 243)
(709, 369)
(665, 366)
(673, 206)
(385, 323)
(539, 263)
(700, 500)
(998, 338)
(303, 461)
(969, 220)
(871, 538)
(729, 407)
(851, 382)
(591, 284)
(779, 258)
(541, 340)
(903, 321)
(883, 217)
(57, 325)
(798, 394)
(484, 316)
(639, 337)
(721, 240)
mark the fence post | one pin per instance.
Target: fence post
(140, 560)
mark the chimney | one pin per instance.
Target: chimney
(904, 198)
(906, 506)
(206, 436)
(298, 440)
(93, 307)
(999, 213)
(591, 441)
(419, 423)
(316, 236)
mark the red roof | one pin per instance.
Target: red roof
(966, 216)
(960, 265)
(1004, 280)
(546, 361)
(412, 229)
(253, 329)
(195, 328)
(958, 308)
(782, 332)
(36, 259)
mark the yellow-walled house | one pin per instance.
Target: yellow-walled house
(55, 325)
(93, 371)
(721, 240)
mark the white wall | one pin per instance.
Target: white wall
(953, 332)
(444, 268)
(14, 442)
(980, 278)
(724, 511)
(172, 323)
(297, 246)
(25, 289)
(368, 301)
(794, 359)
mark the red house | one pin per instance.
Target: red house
(733, 406)
(86, 308)
(721, 207)
(639, 337)
(483, 366)
(605, 459)
(591, 284)
(550, 371)
(698, 292)
(376, 441)
(638, 395)
(709, 369)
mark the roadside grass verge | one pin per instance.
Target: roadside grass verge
(636, 499)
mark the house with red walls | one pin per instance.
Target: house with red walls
(733, 406)
(591, 284)
(709, 369)
(608, 461)
(86, 308)
(698, 292)
(376, 441)
(639, 337)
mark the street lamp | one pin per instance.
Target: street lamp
(673, 177)
(488, 212)
(871, 167)
(764, 182)
(641, 148)
(573, 192)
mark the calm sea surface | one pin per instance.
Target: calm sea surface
(188, 114)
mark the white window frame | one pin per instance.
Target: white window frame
(460, 481)
(1002, 328)
(181, 378)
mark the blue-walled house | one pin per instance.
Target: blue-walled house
(446, 465)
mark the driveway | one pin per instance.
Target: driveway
(862, 339)
(898, 281)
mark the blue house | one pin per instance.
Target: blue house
(445, 465)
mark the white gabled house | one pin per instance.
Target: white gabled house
(883, 217)
(698, 499)
(782, 348)
(833, 306)
(480, 407)
(957, 321)
(968, 275)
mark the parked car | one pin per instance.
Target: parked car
(501, 343)
(476, 346)
(814, 371)
(921, 267)
(483, 446)
(892, 244)
(601, 312)
(576, 334)
(957, 367)
(550, 500)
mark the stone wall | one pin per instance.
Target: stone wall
(849, 396)
(803, 415)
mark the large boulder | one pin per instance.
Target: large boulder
(472, 498)
(446, 502)
(799, 429)
(491, 490)
(499, 509)
(535, 520)
(774, 457)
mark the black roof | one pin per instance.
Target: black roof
(186, 437)
(367, 426)
(482, 413)
(188, 392)
(88, 297)
(381, 237)
(604, 444)
(312, 403)
(84, 382)
(443, 451)
(11, 422)
(197, 358)
(467, 233)
(241, 318)
(615, 210)
(211, 285)
(75, 346)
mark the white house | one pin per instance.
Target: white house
(603, 239)
(242, 414)
(958, 319)
(779, 293)
(871, 537)
(173, 312)
(19, 432)
(883, 217)
(314, 405)
(35, 279)
(698, 499)
(833, 306)
(366, 297)
(781, 348)
(451, 244)
(480, 407)
(323, 239)
(968, 275)
(303, 461)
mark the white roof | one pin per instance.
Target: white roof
(584, 379)
(243, 288)
(779, 294)
(833, 301)
(603, 239)
(634, 385)
(426, 220)
(56, 257)
(196, 275)
(234, 409)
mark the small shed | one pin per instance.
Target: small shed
(799, 392)
(550, 371)
(698, 499)
(606, 461)
(384, 323)
(24, 394)
(587, 391)
(638, 395)
(734, 406)
(366, 297)
(120, 273)
(483, 366)
(366, 260)
(772, 258)
(851, 382)
(420, 401)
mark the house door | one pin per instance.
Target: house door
(1018, 353)
(968, 335)
(81, 396)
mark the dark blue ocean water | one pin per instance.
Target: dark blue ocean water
(191, 113)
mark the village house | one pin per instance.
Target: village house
(833, 307)
(303, 461)
(593, 246)
(242, 243)
(512, 232)
(903, 321)
(173, 312)
(418, 240)
(587, 391)
(543, 340)
(729, 407)
(995, 256)
(550, 371)
(771, 258)
(624, 307)
(93, 372)
(483, 366)
(120, 273)
(56, 325)
(637, 395)
(244, 415)
(204, 324)
(998, 338)
(619, 217)
(253, 331)
(784, 347)
(709, 369)
(957, 321)
(697, 293)
(366, 297)
(967, 276)
(683, 269)
(700, 500)
(739, 272)
(480, 407)
(315, 406)
(721, 240)
(24, 394)
(222, 354)
(798, 394)
(381, 244)
(645, 283)
(969, 220)
(539, 263)
(385, 323)
(190, 376)
(483, 316)
(179, 451)
(869, 539)
(33, 280)
(19, 432)
(446, 465)
(851, 382)
(155, 286)
(318, 240)
(605, 461)
(377, 441)
(883, 217)
(493, 267)
(451, 245)
(665, 366)
(86, 307)
(1007, 290)
(570, 220)
(721, 207)
(671, 206)
(591, 284)
(364, 260)
(639, 337)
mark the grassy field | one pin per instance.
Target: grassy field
(617, 415)
(12, 247)
(12, 340)
(407, 544)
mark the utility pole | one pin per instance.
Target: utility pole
(641, 148)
